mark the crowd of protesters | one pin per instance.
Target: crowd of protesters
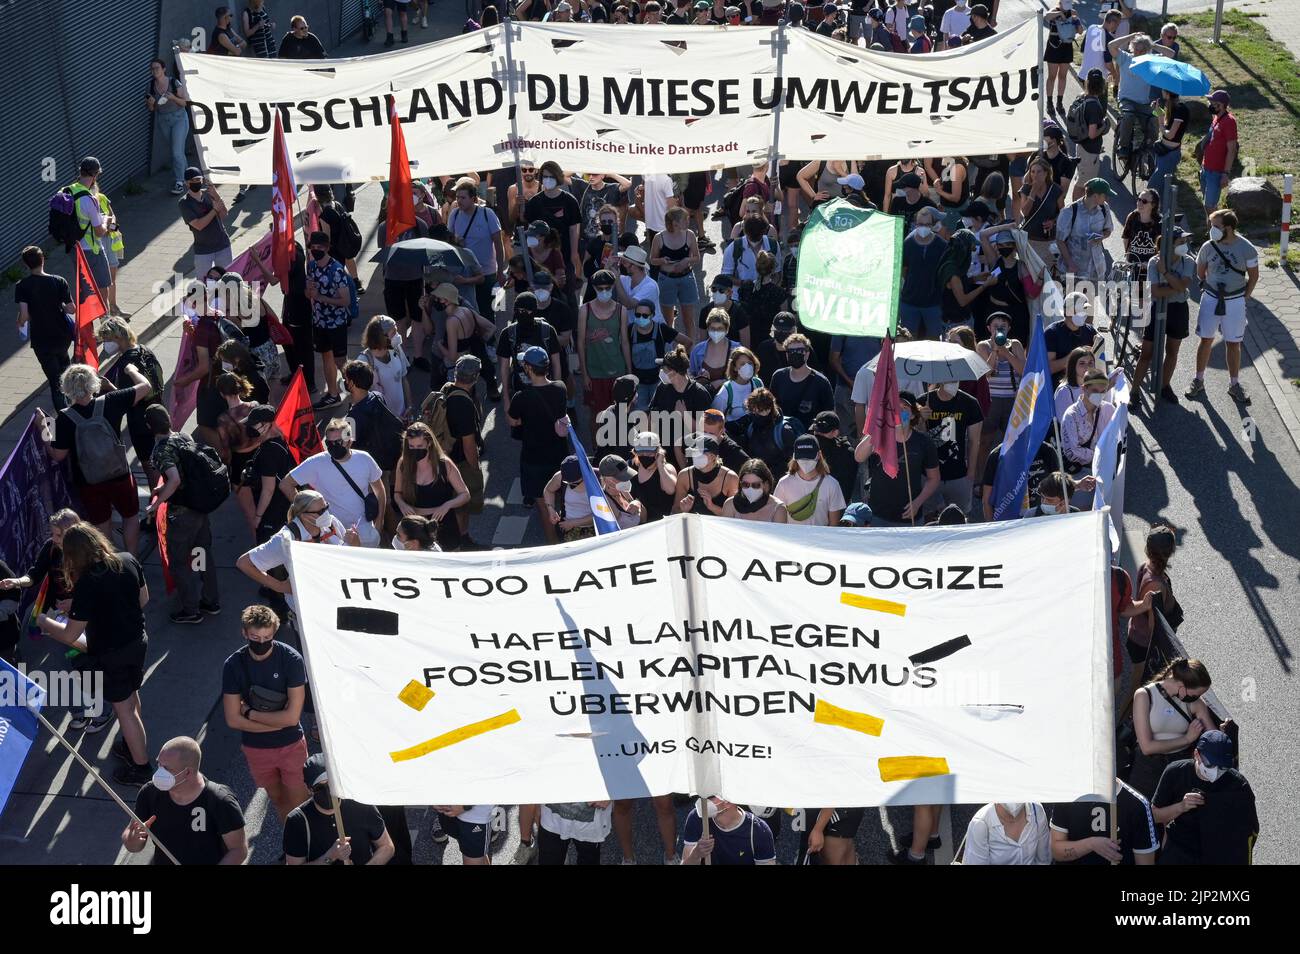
(592, 303)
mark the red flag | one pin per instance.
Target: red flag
(184, 397)
(283, 191)
(401, 198)
(297, 421)
(160, 528)
(90, 308)
(883, 413)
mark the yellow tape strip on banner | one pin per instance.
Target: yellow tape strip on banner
(416, 695)
(872, 603)
(457, 735)
(900, 768)
(827, 714)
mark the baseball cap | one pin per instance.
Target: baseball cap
(262, 414)
(1054, 131)
(703, 443)
(542, 278)
(951, 221)
(646, 441)
(909, 180)
(468, 366)
(611, 465)
(856, 515)
(636, 255)
(702, 4)
(1098, 184)
(569, 470)
(784, 321)
(563, 7)
(852, 180)
(721, 282)
(538, 229)
(979, 10)
(806, 447)
(624, 388)
(193, 172)
(1221, 96)
(825, 422)
(876, 14)
(314, 771)
(917, 23)
(1216, 749)
(829, 7)
(951, 516)
(447, 292)
(535, 357)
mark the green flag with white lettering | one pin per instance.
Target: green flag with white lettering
(849, 270)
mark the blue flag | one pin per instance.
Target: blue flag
(602, 514)
(1031, 416)
(20, 700)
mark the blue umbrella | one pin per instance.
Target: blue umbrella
(1160, 71)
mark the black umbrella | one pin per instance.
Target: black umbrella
(405, 261)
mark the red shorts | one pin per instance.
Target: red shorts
(98, 501)
(600, 393)
(282, 766)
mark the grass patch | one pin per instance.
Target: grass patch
(1270, 255)
(1263, 79)
(11, 276)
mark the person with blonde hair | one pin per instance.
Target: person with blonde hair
(810, 494)
(106, 623)
(350, 480)
(387, 359)
(676, 253)
(428, 484)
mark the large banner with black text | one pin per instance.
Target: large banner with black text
(608, 98)
(771, 664)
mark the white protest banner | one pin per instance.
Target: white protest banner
(772, 664)
(630, 99)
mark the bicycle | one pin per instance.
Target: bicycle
(1141, 161)
(368, 20)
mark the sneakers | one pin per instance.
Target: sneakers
(209, 609)
(901, 856)
(1195, 390)
(1238, 394)
(933, 844)
(132, 774)
(1168, 394)
(186, 619)
(525, 853)
(626, 862)
(327, 400)
(424, 23)
(436, 833)
(92, 724)
(178, 188)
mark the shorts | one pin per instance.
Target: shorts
(398, 5)
(402, 298)
(999, 414)
(472, 474)
(98, 262)
(1232, 323)
(472, 837)
(599, 393)
(328, 340)
(1016, 168)
(1177, 322)
(681, 182)
(123, 671)
(1061, 53)
(1137, 653)
(678, 290)
(279, 766)
(109, 254)
(788, 175)
(697, 187)
(534, 476)
(1089, 167)
(845, 822)
(98, 501)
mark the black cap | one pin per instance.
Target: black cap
(193, 172)
(314, 771)
(722, 281)
(825, 422)
(806, 447)
(625, 388)
(785, 321)
(90, 166)
(262, 414)
(909, 180)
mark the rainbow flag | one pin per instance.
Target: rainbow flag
(38, 607)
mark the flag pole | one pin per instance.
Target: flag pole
(907, 471)
(508, 24)
(99, 780)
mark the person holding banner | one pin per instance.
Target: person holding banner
(1009, 833)
(308, 520)
(706, 485)
(1081, 425)
(340, 473)
(312, 832)
(735, 836)
(897, 501)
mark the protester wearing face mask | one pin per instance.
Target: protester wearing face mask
(604, 351)
(897, 501)
(740, 256)
(1221, 148)
(617, 479)
(801, 391)
(704, 486)
(710, 357)
(1077, 365)
(263, 505)
(956, 19)
(764, 432)
(119, 339)
(616, 426)
(735, 836)
(959, 288)
(754, 499)
(811, 495)
(1054, 492)
(312, 833)
(1008, 833)
(836, 450)
(1169, 278)
(714, 423)
(203, 211)
(741, 380)
(771, 352)
(1072, 330)
(349, 479)
(954, 421)
(198, 820)
(1168, 717)
(648, 343)
(635, 284)
(568, 505)
(1082, 424)
(308, 519)
(1228, 267)
(654, 481)
(263, 687)
(680, 396)
(723, 298)
(387, 359)
(328, 292)
(1207, 807)
(1005, 356)
(1082, 227)
(525, 332)
(1081, 831)
(920, 304)
(676, 253)
(912, 200)
(1015, 288)
(538, 419)
(542, 245)
(558, 209)
(428, 484)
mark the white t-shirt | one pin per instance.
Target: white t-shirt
(987, 842)
(275, 551)
(388, 378)
(648, 288)
(658, 190)
(734, 393)
(579, 821)
(345, 503)
(955, 22)
(792, 488)
(863, 381)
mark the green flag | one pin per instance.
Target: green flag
(849, 270)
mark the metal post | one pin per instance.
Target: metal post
(1160, 308)
(1218, 21)
(509, 26)
(1285, 239)
(773, 165)
(1164, 10)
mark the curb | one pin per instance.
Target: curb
(1284, 395)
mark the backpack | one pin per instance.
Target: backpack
(100, 453)
(732, 200)
(778, 431)
(354, 299)
(380, 430)
(757, 383)
(64, 226)
(1075, 124)
(348, 241)
(433, 412)
(205, 481)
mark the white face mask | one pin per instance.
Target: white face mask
(548, 182)
(543, 296)
(720, 298)
(923, 231)
(227, 366)
(971, 224)
(1094, 398)
(110, 347)
(395, 340)
(1180, 250)
(323, 519)
(717, 336)
(807, 466)
(1216, 234)
(949, 391)
(624, 486)
(663, 377)
(710, 809)
(163, 780)
(746, 372)
(1048, 508)
(397, 544)
(533, 241)
(1077, 320)
(605, 295)
(752, 494)
(1012, 808)
(1207, 772)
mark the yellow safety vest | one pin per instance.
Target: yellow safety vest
(115, 237)
(83, 222)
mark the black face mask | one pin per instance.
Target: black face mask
(319, 254)
(524, 318)
(797, 359)
(780, 336)
(647, 460)
(417, 453)
(196, 185)
(1006, 251)
(607, 228)
(260, 649)
(321, 796)
(337, 449)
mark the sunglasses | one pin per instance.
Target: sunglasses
(1143, 201)
(755, 485)
(795, 351)
(316, 513)
(643, 314)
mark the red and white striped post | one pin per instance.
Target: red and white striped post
(1286, 217)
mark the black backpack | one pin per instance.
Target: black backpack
(732, 200)
(205, 481)
(348, 241)
(380, 430)
(64, 226)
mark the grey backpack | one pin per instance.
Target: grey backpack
(100, 453)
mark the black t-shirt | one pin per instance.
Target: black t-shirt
(839, 457)
(900, 206)
(559, 314)
(888, 496)
(1135, 826)
(272, 459)
(513, 340)
(281, 671)
(45, 296)
(1044, 463)
(1143, 237)
(462, 421)
(648, 348)
(560, 213)
(310, 832)
(980, 33)
(950, 439)
(1220, 832)
(731, 454)
(1060, 339)
(537, 409)
(304, 48)
(209, 408)
(755, 310)
(108, 602)
(1093, 115)
(333, 215)
(1042, 211)
(694, 400)
(1180, 112)
(802, 399)
(116, 404)
(194, 832)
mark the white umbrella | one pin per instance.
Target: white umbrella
(919, 364)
